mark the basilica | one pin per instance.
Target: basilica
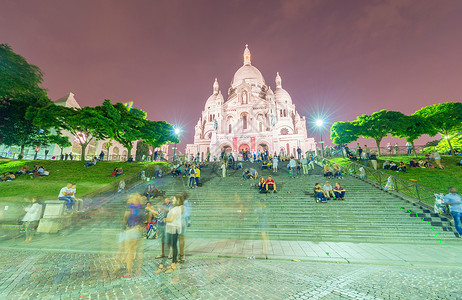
(252, 118)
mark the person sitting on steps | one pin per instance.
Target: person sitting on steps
(327, 171)
(270, 185)
(386, 165)
(327, 188)
(402, 167)
(339, 191)
(337, 172)
(319, 194)
(393, 166)
(262, 185)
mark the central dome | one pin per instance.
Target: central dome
(249, 74)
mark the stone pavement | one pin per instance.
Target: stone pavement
(27, 274)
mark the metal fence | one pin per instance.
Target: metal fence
(400, 150)
(379, 178)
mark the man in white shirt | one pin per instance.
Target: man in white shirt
(65, 194)
(327, 188)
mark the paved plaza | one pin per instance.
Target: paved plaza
(219, 269)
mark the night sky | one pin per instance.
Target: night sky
(336, 58)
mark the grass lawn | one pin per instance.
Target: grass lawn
(433, 178)
(61, 172)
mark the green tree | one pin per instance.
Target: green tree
(378, 125)
(62, 142)
(20, 92)
(444, 118)
(127, 123)
(158, 133)
(342, 133)
(85, 124)
(411, 128)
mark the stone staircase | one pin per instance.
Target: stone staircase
(225, 208)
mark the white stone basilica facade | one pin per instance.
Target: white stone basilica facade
(253, 118)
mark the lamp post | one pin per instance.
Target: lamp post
(177, 132)
(319, 123)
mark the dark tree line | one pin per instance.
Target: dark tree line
(29, 118)
(444, 118)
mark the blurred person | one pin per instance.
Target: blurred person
(362, 173)
(121, 188)
(173, 229)
(437, 157)
(223, 169)
(185, 222)
(32, 217)
(130, 240)
(263, 225)
(162, 214)
(78, 203)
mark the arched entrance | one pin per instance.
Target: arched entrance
(226, 148)
(244, 147)
(262, 147)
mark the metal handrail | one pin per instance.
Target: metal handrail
(414, 190)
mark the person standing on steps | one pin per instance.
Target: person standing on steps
(173, 229)
(293, 167)
(373, 159)
(163, 211)
(197, 173)
(304, 163)
(311, 163)
(275, 164)
(299, 152)
(454, 201)
(192, 177)
(223, 169)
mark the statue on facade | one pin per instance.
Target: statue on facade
(215, 124)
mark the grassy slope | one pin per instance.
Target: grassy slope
(61, 172)
(432, 178)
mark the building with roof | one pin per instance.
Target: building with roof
(252, 118)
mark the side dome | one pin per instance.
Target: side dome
(247, 73)
(280, 94)
(216, 98)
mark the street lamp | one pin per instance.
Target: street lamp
(177, 133)
(319, 123)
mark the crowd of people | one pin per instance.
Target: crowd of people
(327, 192)
(171, 216)
(36, 171)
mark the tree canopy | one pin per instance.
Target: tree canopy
(379, 125)
(19, 93)
(443, 118)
